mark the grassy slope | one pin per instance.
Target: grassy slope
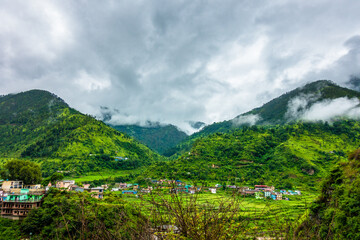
(38, 125)
(298, 155)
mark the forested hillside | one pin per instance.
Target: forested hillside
(282, 110)
(336, 213)
(157, 137)
(38, 125)
(285, 156)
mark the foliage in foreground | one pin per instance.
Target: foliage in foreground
(336, 213)
(72, 215)
(25, 170)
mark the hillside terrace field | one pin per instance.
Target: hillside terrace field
(262, 217)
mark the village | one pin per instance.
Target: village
(17, 199)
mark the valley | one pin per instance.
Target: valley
(278, 147)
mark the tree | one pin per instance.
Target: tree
(25, 170)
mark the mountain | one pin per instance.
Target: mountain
(303, 103)
(354, 83)
(281, 110)
(292, 155)
(336, 213)
(39, 125)
(157, 137)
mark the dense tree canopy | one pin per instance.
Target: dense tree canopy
(336, 213)
(24, 170)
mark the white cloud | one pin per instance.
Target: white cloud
(298, 105)
(328, 110)
(249, 119)
(91, 83)
(174, 61)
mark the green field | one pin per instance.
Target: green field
(103, 175)
(262, 217)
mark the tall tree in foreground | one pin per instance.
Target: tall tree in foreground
(25, 170)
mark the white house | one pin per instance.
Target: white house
(212, 190)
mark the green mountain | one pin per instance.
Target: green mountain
(298, 154)
(336, 213)
(284, 109)
(37, 124)
(155, 136)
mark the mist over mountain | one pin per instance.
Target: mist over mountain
(322, 100)
(354, 83)
(39, 125)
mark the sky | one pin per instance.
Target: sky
(175, 61)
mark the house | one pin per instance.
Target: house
(129, 192)
(249, 192)
(212, 190)
(120, 185)
(179, 190)
(86, 186)
(192, 190)
(3, 196)
(217, 185)
(65, 184)
(97, 192)
(243, 189)
(263, 187)
(297, 192)
(19, 201)
(267, 193)
(115, 189)
(135, 186)
(9, 185)
(276, 196)
(273, 196)
(146, 190)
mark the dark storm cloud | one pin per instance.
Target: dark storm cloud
(174, 61)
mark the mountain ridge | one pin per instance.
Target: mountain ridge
(275, 111)
(39, 125)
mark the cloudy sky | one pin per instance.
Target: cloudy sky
(174, 61)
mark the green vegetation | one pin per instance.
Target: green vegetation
(155, 136)
(271, 113)
(274, 112)
(9, 229)
(38, 125)
(336, 213)
(284, 156)
(72, 215)
(28, 172)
